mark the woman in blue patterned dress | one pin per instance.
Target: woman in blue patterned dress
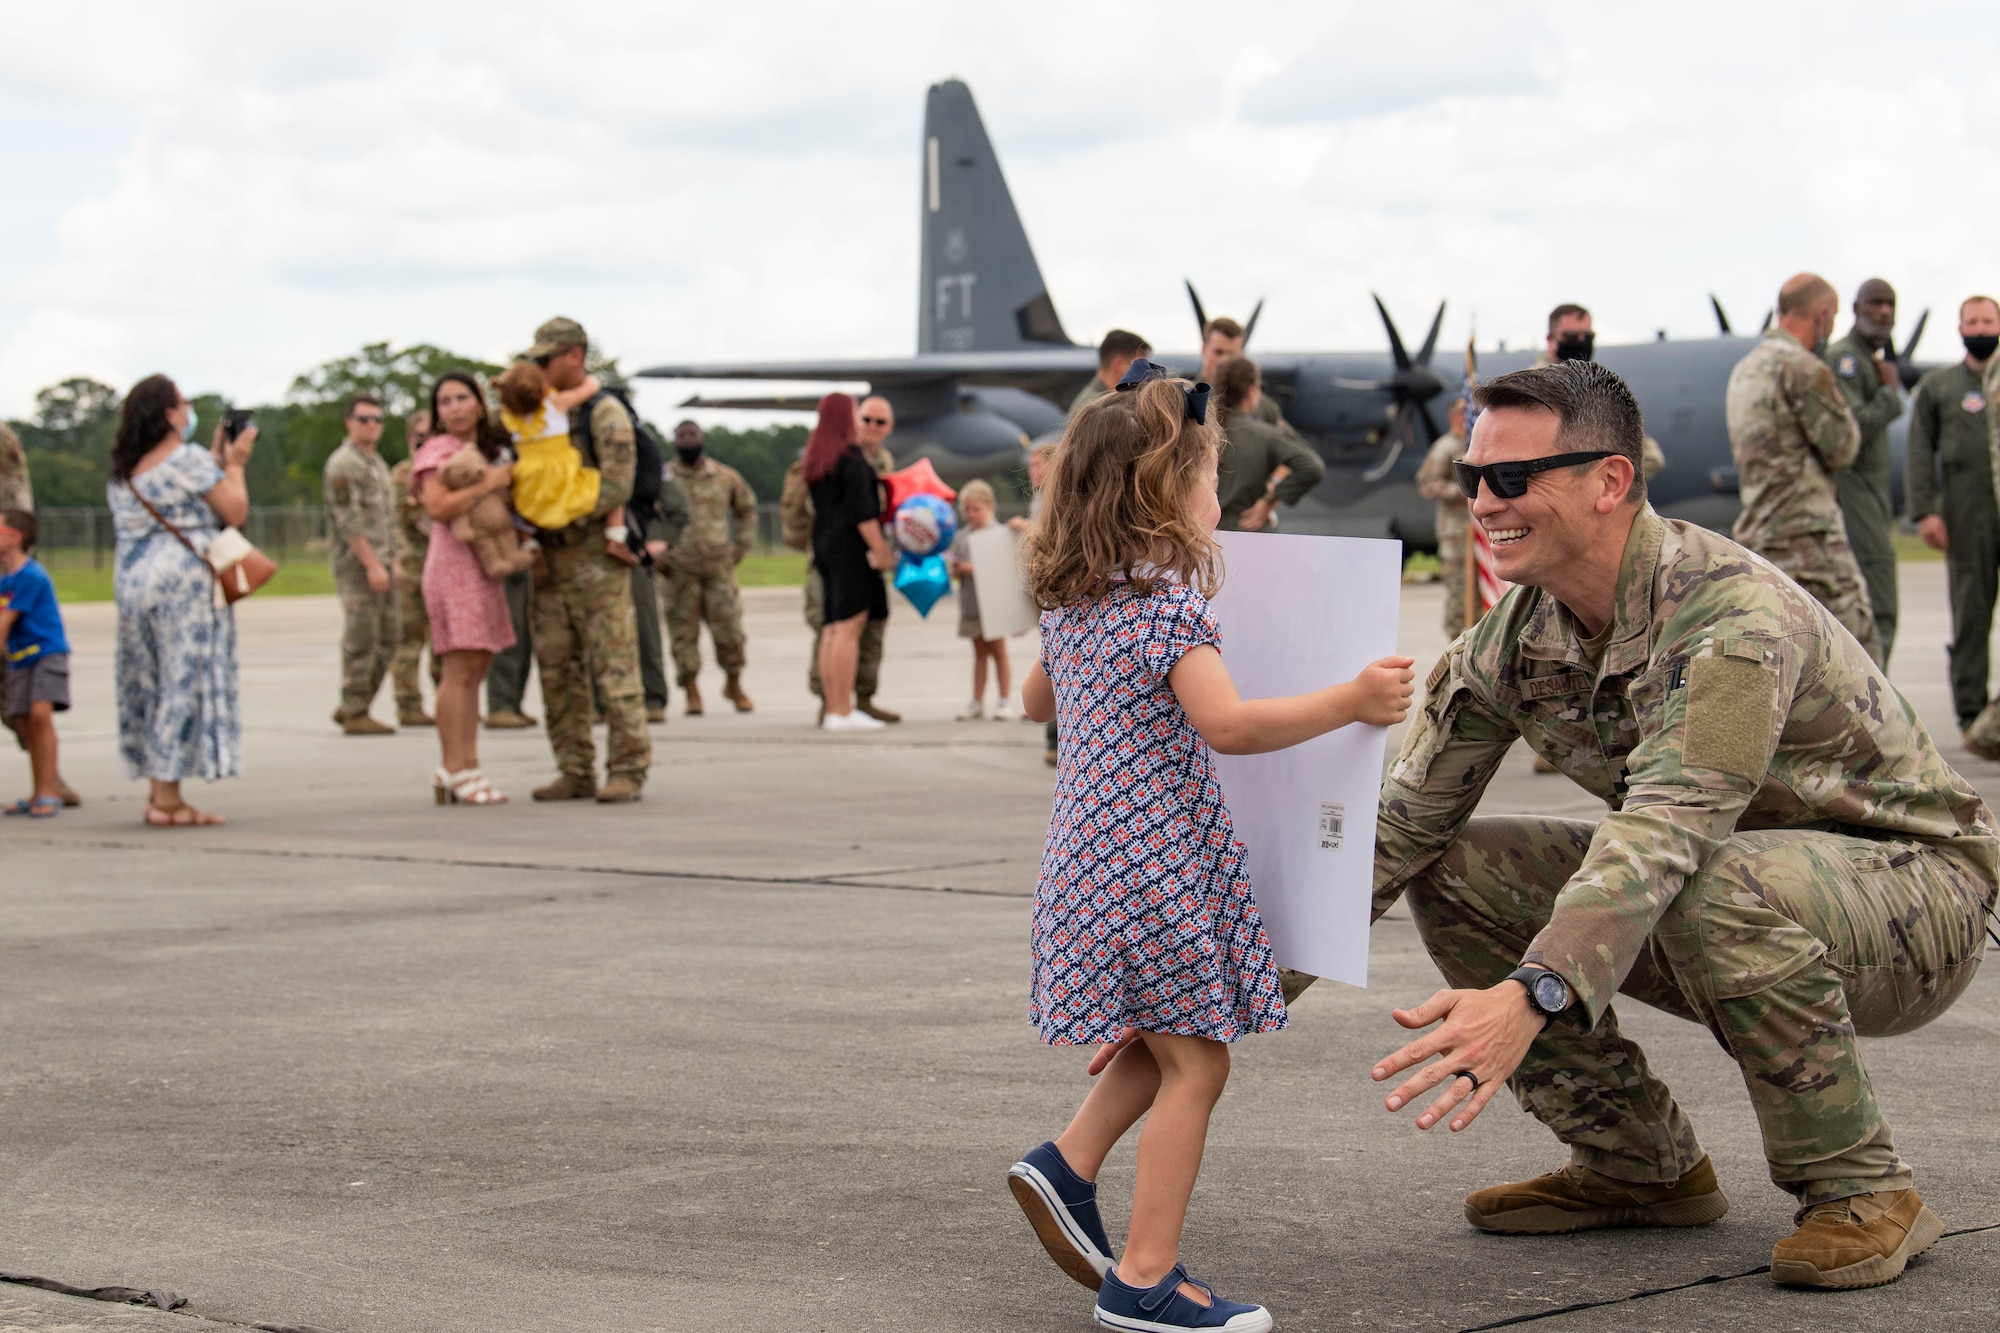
(177, 708)
(1146, 935)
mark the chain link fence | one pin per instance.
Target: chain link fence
(83, 537)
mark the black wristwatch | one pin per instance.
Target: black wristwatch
(1548, 993)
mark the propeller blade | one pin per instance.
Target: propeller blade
(1430, 425)
(1384, 386)
(1430, 342)
(1251, 327)
(1910, 347)
(1200, 315)
(1400, 438)
(1906, 366)
(1765, 327)
(1720, 318)
(1395, 339)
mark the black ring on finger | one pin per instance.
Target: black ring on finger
(1469, 1077)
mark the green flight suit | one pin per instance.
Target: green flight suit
(1252, 451)
(1949, 472)
(1863, 489)
(1785, 857)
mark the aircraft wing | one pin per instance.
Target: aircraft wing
(1055, 373)
(1060, 364)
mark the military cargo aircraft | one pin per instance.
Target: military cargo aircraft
(995, 369)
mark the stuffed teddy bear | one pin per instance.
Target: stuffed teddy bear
(488, 527)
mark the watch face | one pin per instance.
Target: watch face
(1551, 993)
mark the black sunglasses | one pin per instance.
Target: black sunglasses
(874, 421)
(1509, 481)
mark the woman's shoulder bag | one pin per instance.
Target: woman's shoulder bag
(238, 568)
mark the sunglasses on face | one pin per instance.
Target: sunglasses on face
(1509, 481)
(367, 420)
(874, 421)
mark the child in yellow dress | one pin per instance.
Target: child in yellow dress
(552, 487)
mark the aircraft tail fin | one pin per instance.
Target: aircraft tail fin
(981, 290)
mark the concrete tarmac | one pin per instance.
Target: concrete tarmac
(753, 1053)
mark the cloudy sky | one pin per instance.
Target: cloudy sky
(233, 192)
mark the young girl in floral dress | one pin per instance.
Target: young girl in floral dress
(1146, 935)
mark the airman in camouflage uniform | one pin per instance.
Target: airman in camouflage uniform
(585, 629)
(1790, 431)
(1949, 480)
(702, 573)
(796, 517)
(1436, 481)
(1874, 393)
(361, 531)
(413, 545)
(16, 491)
(1785, 858)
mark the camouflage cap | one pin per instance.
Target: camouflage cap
(557, 335)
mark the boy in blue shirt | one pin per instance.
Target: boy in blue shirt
(37, 685)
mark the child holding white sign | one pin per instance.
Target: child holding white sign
(975, 509)
(1146, 935)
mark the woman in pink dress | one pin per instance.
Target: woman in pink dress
(468, 611)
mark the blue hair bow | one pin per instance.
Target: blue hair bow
(1143, 371)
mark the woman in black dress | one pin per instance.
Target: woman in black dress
(850, 551)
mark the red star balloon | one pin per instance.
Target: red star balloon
(919, 478)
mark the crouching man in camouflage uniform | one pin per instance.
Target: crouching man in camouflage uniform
(1786, 858)
(585, 629)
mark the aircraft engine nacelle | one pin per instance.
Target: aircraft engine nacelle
(960, 444)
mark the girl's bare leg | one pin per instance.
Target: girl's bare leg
(1192, 1072)
(1116, 1101)
(1003, 670)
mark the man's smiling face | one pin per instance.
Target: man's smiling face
(1555, 522)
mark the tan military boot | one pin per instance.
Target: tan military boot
(866, 703)
(732, 690)
(1860, 1242)
(1577, 1198)
(508, 719)
(68, 793)
(567, 788)
(693, 699)
(619, 788)
(414, 716)
(364, 725)
(656, 715)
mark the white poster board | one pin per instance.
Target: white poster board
(1298, 614)
(1004, 607)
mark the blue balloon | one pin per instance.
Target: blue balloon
(924, 525)
(922, 581)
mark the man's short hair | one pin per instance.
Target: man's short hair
(1563, 312)
(24, 522)
(690, 421)
(1223, 325)
(1594, 410)
(358, 399)
(1972, 300)
(1121, 344)
(1805, 293)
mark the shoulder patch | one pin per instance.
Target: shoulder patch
(1729, 716)
(1438, 673)
(1973, 401)
(1848, 366)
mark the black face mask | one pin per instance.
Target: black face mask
(1575, 346)
(1981, 345)
(688, 455)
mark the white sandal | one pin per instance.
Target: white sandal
(467, 788)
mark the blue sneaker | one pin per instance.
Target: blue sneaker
(1062, 1207)
(1165, 1310)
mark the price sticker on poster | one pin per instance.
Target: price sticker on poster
(1298, 614)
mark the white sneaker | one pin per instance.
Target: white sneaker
(972, 712)
(856, 721)
(1004, 711)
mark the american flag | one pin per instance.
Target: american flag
(1487, 587)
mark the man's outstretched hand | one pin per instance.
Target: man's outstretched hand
(1485, 1031)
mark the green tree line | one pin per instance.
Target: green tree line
(68, 441)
